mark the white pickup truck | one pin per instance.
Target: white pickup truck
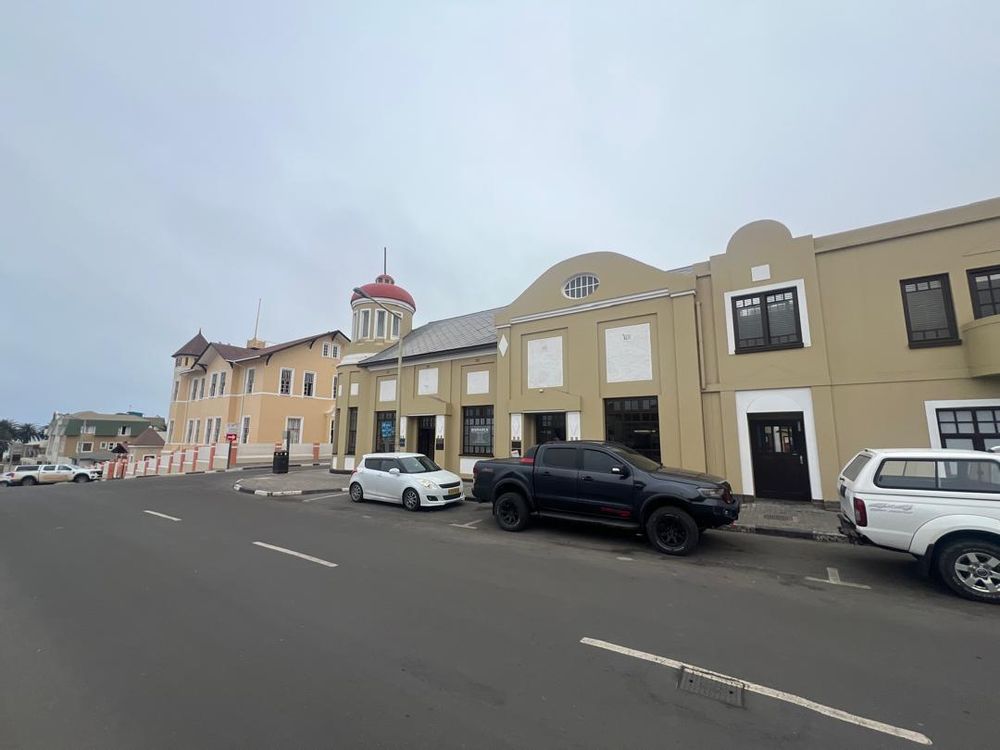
(28, 475)
(942, 506)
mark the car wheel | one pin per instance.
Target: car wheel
(28, 481)
(81, 478)
(672, 531)
(971, 568)
(357, 494)
(411, 499)
(511, 512)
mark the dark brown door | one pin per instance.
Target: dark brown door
(550, 426)
(780, 461)
(425, 436)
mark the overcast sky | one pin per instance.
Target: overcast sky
(161, 168)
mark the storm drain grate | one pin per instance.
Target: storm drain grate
(719, 688)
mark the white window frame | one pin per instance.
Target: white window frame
(170, 431)
(800, 292)
(335, 351)
(305, 376)
(197, 430)
(326, 348)
(291, 380)
(222, 383)
(194, 389)
(931, 407)
(189, 432)
(333, 390)
(581, 285)
(124, 431)
(245, 429)
(354, 325)
(248, 379)
(177, 386)
(394, 333)
(214, 384)
(302, 428)
(365, 323)
(380, 328)
(201, 390)
(87, 447)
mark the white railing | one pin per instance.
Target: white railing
(212, 457)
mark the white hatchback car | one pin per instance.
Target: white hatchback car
(942, 506)
(411, 479)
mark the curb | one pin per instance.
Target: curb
(285, 493)
(815, 536)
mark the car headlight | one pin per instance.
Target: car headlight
(427, 484)
(714, 492)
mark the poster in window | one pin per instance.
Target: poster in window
(628, 355)
(545, 363)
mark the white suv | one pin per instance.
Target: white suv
(942, 506)
(411, 479)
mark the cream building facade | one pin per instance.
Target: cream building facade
(770, 364)
(258, 391)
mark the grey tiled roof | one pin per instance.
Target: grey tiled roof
(442, 336)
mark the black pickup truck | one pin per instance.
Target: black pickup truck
(608, 483)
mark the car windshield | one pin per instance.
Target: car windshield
(634, 458)
(417, 465)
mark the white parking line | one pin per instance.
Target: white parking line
(319, 497)
(833, 713)
(625, 559)
(161, 515)
(469, 525)
(293, 553)
(833, 577)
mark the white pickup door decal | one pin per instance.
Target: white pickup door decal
(890, 507)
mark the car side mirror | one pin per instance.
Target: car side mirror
(621, 471)
(394, 471)
(995, 449)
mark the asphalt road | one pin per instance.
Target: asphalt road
(124, 629)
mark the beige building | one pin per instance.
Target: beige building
(89, 437)
(257, 391)
(770, 363)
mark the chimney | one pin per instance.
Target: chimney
(256, 343)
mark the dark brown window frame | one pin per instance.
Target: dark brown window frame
(469, 417)
(949, 311)
(764, 322)
(352, 431)
(972, 289)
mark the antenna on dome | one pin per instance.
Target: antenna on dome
(385, 264)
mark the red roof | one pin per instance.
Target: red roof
(385, 288)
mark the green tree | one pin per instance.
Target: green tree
(26, 432)
(7, 428)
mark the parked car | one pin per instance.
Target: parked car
(28, 475)
(410, 479)
(608, 483)
(942, 506)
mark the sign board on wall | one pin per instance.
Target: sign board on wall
(387, 390)
(545, 363)
(627, 354)
(427, 381)
(477, 382)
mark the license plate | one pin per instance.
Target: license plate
(452, 493)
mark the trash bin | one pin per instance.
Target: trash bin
(279, 465)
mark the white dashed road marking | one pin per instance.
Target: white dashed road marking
(833, 713)
(624, 559)
(833, 576)
(469, 525)
(161, 515)
(293, 553)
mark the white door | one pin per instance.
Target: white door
(48, 474)
(65, 473)
(375, 480)
(392, 483)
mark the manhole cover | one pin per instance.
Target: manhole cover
(720, 688)
(778, 517)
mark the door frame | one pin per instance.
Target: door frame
(777, 400)
(775, 418)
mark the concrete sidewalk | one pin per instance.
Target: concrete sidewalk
(302, 482)
(798, 520)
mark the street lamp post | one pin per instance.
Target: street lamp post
(399, 361)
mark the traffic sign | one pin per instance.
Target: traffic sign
(231, 437)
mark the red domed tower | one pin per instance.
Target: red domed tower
(376, 326)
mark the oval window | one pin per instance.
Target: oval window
(580, 286)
